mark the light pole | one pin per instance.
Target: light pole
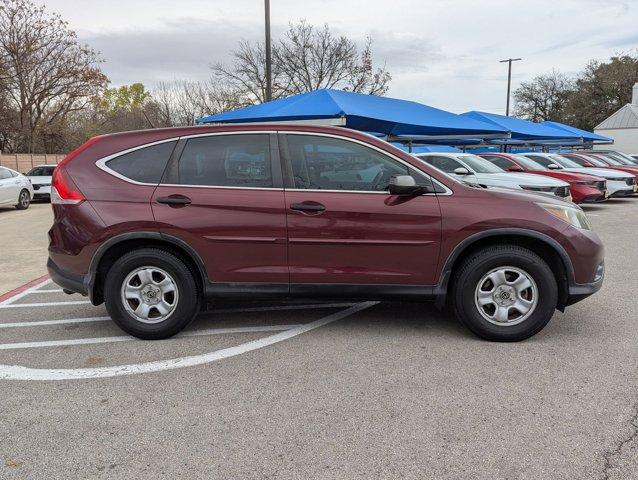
(509, 81)
(268, 53)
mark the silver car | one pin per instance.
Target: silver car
(473, 169)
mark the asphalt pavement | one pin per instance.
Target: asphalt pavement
(305, 390)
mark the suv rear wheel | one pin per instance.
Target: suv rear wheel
(505, 293)
(151, 294)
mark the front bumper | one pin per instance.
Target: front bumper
(580, 291)
(68, 281)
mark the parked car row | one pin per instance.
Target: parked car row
(579, 177)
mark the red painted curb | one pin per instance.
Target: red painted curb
(22, 288)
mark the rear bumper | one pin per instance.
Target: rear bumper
(67, 280)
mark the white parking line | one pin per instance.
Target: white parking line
(19, 372)
(52, 290)
(44, 323)
(25, 293)
(44, 304)
(128, 338)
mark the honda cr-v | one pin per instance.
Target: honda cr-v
(157, 223)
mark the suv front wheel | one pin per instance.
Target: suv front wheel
(505, 293)
(151, 294)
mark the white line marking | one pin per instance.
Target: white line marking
(45, 304)
(128, 338)
(53, 290)
(25, 293)
(43, 323)
(18, 372)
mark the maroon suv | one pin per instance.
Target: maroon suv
(154, 223)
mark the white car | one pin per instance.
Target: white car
(15, 189)
(473, 169)
(619, 184)
(40, 177)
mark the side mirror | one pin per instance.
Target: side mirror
(553, 166)
(515, 168)
(404, 185)
(461, 171)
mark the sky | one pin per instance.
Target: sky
(444, 53)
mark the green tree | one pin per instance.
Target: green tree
(601, 89)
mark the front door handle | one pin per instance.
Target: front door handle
(307, 207)
(174, 200)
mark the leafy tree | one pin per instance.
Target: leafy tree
(305, 59)
(601, 89)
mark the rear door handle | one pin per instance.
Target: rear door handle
(174, 200)
(307, 207)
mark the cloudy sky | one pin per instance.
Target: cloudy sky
(441, 52)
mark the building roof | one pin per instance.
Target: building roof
(626, 117)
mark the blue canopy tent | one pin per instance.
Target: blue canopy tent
(525, 132)
(397, 120)
(588, 137)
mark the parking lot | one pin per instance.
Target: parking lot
(312, 390)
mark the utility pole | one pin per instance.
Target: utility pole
(268, 53)
(509, 81)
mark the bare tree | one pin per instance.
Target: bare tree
(305, 59)
(181, 102)
(46, 72)
(544, 98)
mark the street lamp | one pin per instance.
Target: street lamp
(509, 81)
(268, 53)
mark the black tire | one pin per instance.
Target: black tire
(24, 200)
(188, 300)
(480, 263)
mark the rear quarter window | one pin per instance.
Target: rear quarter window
(144, 165)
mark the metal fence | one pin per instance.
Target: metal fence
(23, 162)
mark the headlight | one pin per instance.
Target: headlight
(570, 214)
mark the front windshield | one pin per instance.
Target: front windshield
(528, 163)
(479, 165)
(616, 159)
(621, 156)
(564, 162)
(595, 161)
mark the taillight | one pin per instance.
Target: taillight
(63, 189)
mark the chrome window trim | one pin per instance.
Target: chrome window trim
(218, 187)
(448, 191)
(101, 163)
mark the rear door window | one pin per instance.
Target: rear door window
(5, 173)
(144, 165)
(240, 160)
